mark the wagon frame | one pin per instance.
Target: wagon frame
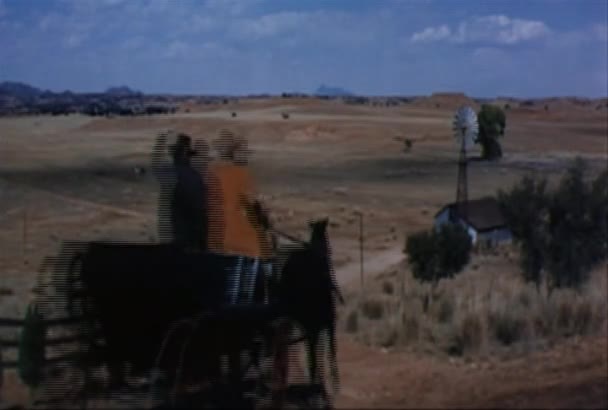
(280, 325)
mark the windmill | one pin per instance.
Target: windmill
(465, 132)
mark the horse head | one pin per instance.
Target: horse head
(307, 275)
(318, 230)
(319, 243)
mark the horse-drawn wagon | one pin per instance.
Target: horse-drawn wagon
(156, 313)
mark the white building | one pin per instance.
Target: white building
(484, 221)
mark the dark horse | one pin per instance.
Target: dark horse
(139, 292)
(309, 282)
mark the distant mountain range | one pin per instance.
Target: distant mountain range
(19, 90)
(25, 91)
(328, 91)
(122, 91)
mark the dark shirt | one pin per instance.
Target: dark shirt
(188, 209)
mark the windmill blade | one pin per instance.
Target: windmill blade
(465, 126)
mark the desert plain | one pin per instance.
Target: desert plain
(72, 178)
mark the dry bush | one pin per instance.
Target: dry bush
(372, 309)
(507, 327)
(445, 310)
(410, 328)
(480, 311)
(465, 336)
(388, 288)
(352, 322)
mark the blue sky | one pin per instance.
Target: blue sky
(484, 48)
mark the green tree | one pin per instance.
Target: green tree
(525, 209)
(598, 204)
(453, 248)
(492, 124)
(563, 232)
(438, 254)
(575, 227)
(420, 248)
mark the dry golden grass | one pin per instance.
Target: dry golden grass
(486, 309)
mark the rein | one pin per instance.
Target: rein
(288, 236)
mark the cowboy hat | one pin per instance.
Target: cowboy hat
(227, 143)
(183, 144)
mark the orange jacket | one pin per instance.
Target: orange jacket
(232, 231)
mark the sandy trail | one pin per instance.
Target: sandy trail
(373, 263)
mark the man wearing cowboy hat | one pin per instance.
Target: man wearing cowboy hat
(182, 200)
(235, 229)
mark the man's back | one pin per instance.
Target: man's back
(188, 208)
(231, 230)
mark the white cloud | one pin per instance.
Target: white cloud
(271, 25)
(600, 31)
(206, 51)
(203, 23)
(74, 40)
(587, 36)
(493, 29)
(320, 28)
(50, 21)
(177, 49)
(113, 2)
(133, 43)
(431, 34)
(229, 7)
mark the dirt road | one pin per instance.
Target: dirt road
(373, 262)
(572, 375)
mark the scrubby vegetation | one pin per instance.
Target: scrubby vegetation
(476, 313)
(551, 283)
(561, 244)
(562, 232)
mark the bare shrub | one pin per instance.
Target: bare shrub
(467, 335)
(471, 331)
(542, 322)
(352, 322)
(372, 309)
(445, 311)
(485, 311)
(388, 288)
(565, 315)
(524, 298)
(390, 337)
(411, 328)
(507, 327)
(583, 317)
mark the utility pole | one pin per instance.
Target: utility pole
(360, 213)
(25, 236)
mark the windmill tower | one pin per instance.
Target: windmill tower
(465, 132)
